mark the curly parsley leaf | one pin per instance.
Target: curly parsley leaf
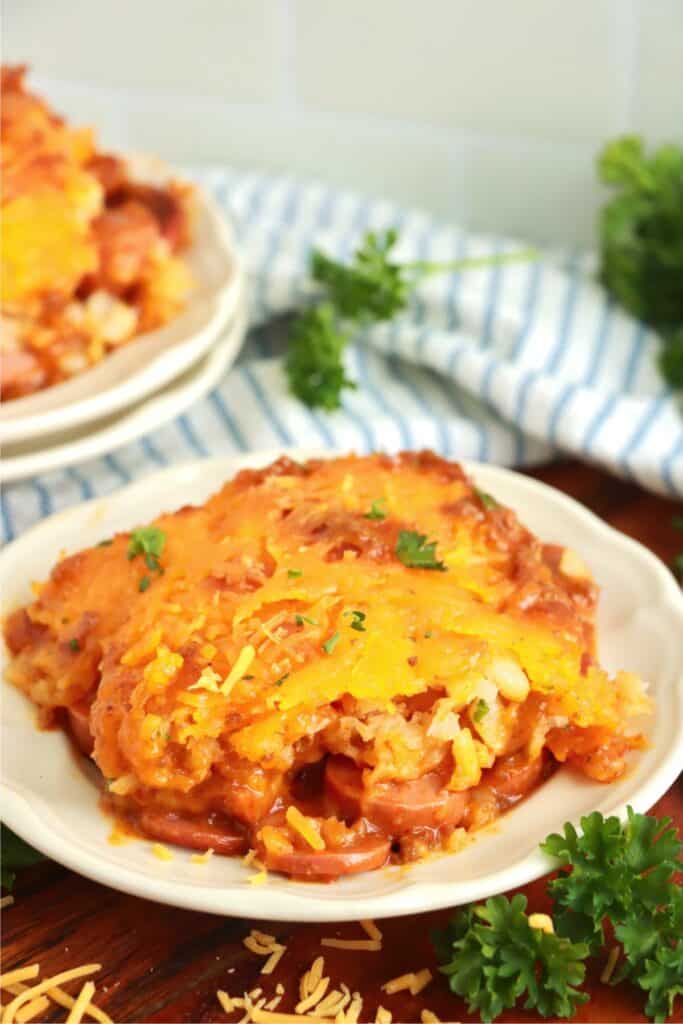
(618, 872)
(15, 854)
(376, 510)
(492, 958)
(414, 551)
(641, 240)
(357, 620)
(372, 287)
(314, 365)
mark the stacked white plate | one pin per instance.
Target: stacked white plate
(147, 382)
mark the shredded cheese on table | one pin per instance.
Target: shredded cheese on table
(82, 1000)
(10, 1011)
(371, 945)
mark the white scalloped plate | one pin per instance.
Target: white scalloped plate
(153, 359)
(91, 440)
(48, 799)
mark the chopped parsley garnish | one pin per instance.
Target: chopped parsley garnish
(107, 542)
(428, 634)
(280, 681)
(301, 619)
(330, 644)
(358, 620)
(74, 644)
(487, 500)
(149, 542)
(294, 574)
(413, 550)
(482, 709)
(376, 512)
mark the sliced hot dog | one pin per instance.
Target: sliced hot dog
(198, 833)
(395, 807)
(514, 776)
(79, 727)
(365, 854)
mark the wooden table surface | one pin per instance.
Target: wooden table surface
(164, 965)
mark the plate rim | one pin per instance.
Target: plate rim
(150, 413)
(280, 904)
(157, 370)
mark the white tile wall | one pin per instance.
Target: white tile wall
(485, 111)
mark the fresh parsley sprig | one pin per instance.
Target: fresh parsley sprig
(624, 874)
(372, 288)
(641, 240)
(492, 957)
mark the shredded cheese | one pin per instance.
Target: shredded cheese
(543, 922)
(262, 1016)
(244, 660)
(354, 1010)
(19, 974)
(32, 1009)
(612, 958)
(82, 1000)
(161, 851)
(62, 998)
(226, 1002)
(421, 980)
(10, 1011)
(382, 1016)
(304, 826)
(371, 930)
(369, 945)
(274, 959)
(6, 901)
(314, 998)
(427, 1017)
(202, 858)
(311, 977)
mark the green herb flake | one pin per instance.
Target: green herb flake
(413, 550)
(481, 710)
(144, 584)
(304, 619)
(106, 543)
(358, 618)
(280, 681)
(376, 512)
(147, 540)
(487, 500)
(74, 645)
(330, 644)
(294, 574)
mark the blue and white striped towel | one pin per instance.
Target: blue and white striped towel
(509, 364)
